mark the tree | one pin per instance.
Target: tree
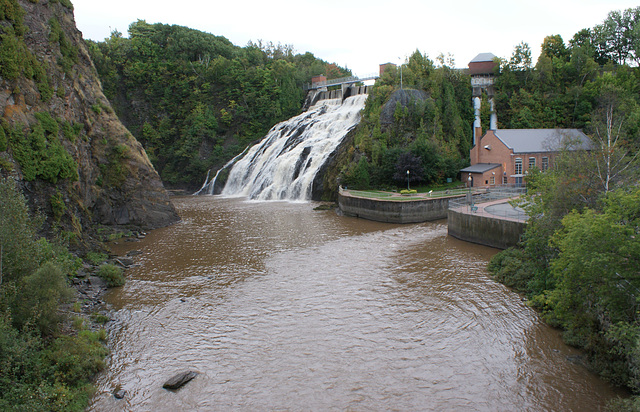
(409, 168)
(612, 157)
(553, 46)
(596, 271)
(521, 57)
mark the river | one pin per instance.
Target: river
(280, 307)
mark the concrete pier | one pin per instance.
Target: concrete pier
(494, 224)
(396, 209)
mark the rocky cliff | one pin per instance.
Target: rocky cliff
(60, 138)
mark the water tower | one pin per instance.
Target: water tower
(482, 71)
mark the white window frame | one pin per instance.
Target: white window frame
(518, 166)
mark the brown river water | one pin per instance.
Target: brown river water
(283, 308)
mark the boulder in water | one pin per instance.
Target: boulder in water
(179, 380)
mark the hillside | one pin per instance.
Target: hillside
(60, 139)
(195, 100)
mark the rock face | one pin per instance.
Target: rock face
(405, 97)
(116, 183)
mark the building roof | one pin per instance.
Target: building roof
(480, 167)
(542, 140)
(483, 57)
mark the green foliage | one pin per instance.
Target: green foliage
(114, 173)
(100, 318)
(193, 99)
(112, 274)
(96, 257)
(582, 274)
(10, 10)
(40, 152)
(37, 299)
(71, 130)
(3, 140)
(69, 53)
(38, 371)
(15, 58)
(21, 252)
(428, 134)
(58, 206)
(567, 82)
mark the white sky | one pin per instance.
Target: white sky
(362, 34)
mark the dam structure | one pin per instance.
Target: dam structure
(284, 164)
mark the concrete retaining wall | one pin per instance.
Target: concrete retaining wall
(494, 232)
(404, 211)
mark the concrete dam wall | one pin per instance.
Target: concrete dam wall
(394, 211)
(484, 230)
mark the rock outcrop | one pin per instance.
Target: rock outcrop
(406, 98)
(50, 92)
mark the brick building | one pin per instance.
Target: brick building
(504, 156)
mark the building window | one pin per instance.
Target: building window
(518, 170)
(545, 163)
(532, 162)
(492, 180)
(505, 180)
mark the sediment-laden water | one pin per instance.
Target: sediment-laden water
(280, 307)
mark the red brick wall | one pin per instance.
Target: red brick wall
(500, 154)
(481, 67)
(318, 79)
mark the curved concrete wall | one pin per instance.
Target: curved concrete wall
(399, 211)
(494, 232)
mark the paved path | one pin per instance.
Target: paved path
(497, 208)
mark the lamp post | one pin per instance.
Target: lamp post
(470, 199)
(408, 180)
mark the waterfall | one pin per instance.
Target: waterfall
(208, 187)
(283, 165)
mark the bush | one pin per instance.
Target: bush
(38, 297)
(96, 257)
(112, 274)
(408, 192)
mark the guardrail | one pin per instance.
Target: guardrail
(485, 198)
(335, 82)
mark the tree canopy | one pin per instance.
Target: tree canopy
(195, 100)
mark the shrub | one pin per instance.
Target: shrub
(408, 192)
(96, 257)
(3, 140)
(100, 318)
(58, 207)
(112, 274)
(38, 297)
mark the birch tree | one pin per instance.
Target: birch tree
(614, 155)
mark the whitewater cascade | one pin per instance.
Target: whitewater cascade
(209, 186)
(283, 165)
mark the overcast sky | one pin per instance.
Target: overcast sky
(361, 34)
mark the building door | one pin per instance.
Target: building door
(519, 181)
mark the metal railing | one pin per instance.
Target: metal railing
(335, 82)
(491, 195)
